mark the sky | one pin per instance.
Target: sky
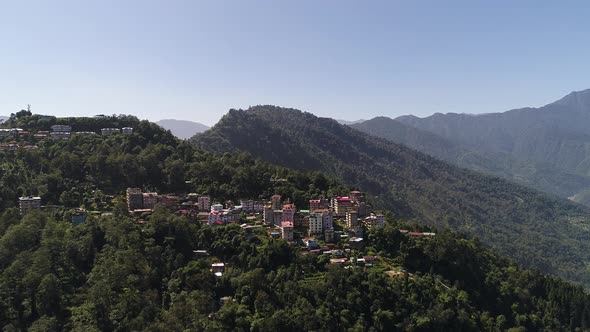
(194, 60)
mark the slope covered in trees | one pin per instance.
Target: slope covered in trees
(81, 171)
(538, 230)
(533, 174)
(555, 134)
(111, 274)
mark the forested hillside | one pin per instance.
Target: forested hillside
(115, 273)
(538, 230)
(112, 274)
(82, 170)
(555, 135)
(530, 173)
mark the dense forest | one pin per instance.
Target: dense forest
(111, 274)
(536, 229)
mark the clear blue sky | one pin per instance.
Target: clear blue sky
(194, 60)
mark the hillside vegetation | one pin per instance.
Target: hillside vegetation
(534, 174)
(555, 135)
(539, 231)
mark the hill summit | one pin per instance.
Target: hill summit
(539, 231)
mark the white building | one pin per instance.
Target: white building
(109, 131)
(29, 203)
(374, 221)
(127, 130)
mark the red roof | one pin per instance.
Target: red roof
(415, 234)
(286, 224)
(343, 199)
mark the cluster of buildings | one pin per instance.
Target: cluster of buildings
(63, 132)
(139, 201)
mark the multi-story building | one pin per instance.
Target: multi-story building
(351, 219)
(61, 135)
(216, 208)
(258, 206)
(357, 196)
(268, 215)
(29, 203)
(109, 131)
(329, 235)
(150, 200)
(204, 203)
(134, 199)
(277, 217)
(247, 205)
(315, 223)
(374, 220)
(275, 201)
(61, 128)
(288, 212)
(287, 230)
(127, 130)
(341, 205)
(315, 204)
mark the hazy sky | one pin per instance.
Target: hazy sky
(194, 60)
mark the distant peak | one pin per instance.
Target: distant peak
(578, 99)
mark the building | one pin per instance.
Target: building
(8, 132)
(374, 221)
(351, 219)
(204, 203)
(216, 207)
(127, 130)
(149, 200)
(275, 201)
(268, 215)
(277, 217)
(134, 199)
(311, 243)
(8, 147)
(109, 131)
(29, 203)
(61, 128)
(315, 204)
(341, 205)
(288, 212)
(247, 205)
(61, 135)
(329, 235)
(258, 206)
(315, 223)
(215, 218)
(287, 230)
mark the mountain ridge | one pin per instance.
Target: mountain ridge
(534, 228)
(555, 134)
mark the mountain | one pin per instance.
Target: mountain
(125, 271)
(3, 118)
(555, 134)
(534, 174)
(346, 122)
(540, 231)
(181, 128)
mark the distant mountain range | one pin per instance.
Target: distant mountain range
(181, 128)
(547, 233)
(547, 147)
(3, 118)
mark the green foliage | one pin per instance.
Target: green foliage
(539, 231)
(116, 275)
